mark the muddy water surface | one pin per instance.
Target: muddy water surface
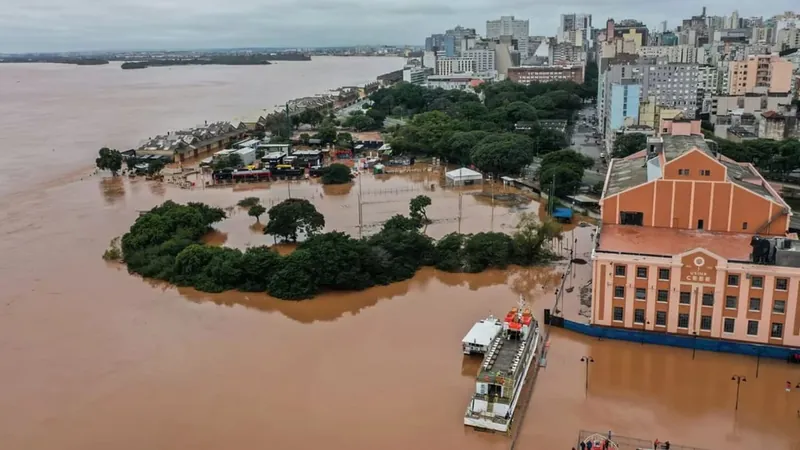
(94, 358)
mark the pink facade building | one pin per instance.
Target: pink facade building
(760, 74)
(694, 243)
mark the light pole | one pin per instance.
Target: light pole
(694, 343)
(738, 379)
(586, 360)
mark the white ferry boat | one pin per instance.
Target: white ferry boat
(481, 335)
(504, 371)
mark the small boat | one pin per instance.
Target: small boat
(481, 335)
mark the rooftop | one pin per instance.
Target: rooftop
(672, 241)
(632, 171)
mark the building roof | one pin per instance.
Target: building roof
(771, 115)
(672, 241)
(631, 171)
(464, 173)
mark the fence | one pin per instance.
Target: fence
(623, 442)
(682, 341)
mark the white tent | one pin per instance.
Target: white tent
(463, 176)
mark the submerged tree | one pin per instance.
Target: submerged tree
(109, 159)
(293, 216)
(417, 208)
(336, 174)
(256, 211)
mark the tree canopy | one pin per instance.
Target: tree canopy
(165, 244)
(628, 144)
(336, 174)
(566, 168)
(109, 159)
(451, 124)
(293, 216)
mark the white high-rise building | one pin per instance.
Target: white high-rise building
(508, 26)
(454, 65)
(484, 59)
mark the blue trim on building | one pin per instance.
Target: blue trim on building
(683, 341)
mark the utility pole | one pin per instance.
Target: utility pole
(738, 379)
(492, 188)
(586, 360)
(360, 209)
(460, 198)
(289, 186)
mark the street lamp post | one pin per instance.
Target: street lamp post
(586, 360)
(738, 379)
(694, 343)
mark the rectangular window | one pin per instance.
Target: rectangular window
(683, 321)
(619, 291)
(631, 218)
(776, 331)
(705, 173)
(661, 318)
(779, 306)
(663, 274)
(641, 293)
(733, 280)
(708, 299)
(663, 296)
(744, 225)
(683, 171)
(638, 316)
(730, 302)
(755, 304)
(618, 314)
(641, 272)
(757, 282)
(686, 298)
(705, 323)
(781, 284)
(752, 327)
(619, 271)
(728, 325)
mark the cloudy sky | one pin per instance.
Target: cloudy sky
(65, 25)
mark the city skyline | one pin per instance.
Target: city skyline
(88, 25)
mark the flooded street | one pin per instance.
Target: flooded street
(93, 358)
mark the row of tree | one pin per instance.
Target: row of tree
(165, 243)
(500, 134)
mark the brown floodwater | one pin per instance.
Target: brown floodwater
(94, 358)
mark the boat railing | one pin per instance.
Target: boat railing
(493, 399)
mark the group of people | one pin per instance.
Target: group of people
(604, 443)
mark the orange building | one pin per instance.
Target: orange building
(694, 243)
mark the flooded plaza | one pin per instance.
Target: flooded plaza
(95, 358)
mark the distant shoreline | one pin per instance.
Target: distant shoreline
(222, 60)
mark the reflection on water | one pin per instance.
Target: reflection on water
(113, 189)
(334, 305)
(337, 189)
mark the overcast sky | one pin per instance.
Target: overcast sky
(65, 25)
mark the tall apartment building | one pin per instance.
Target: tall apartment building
(546, 74)
(760, 74)
(460, 39)
(672, 85)
(693, 243)
(509, 26)
(416, 75)
(565, 53)
(707, 87)
(434, 41)
(575, 29)
(484, 59)
(455, 65)
(622, 108)
(788, 38)
(675, 54)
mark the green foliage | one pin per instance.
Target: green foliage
(109, 159)
(451, 124)
(293, 216)
(336, 174)
(566, 168)
(774, 159)
(502, 154)
(256, 211)
(113, 253)
(326, 132)
(154, 167)
(628, 144)
(304, 138)
(232, 160)
(248, 202)
(344, 139)
(359, 121)
(417, 207)
(165, 243)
